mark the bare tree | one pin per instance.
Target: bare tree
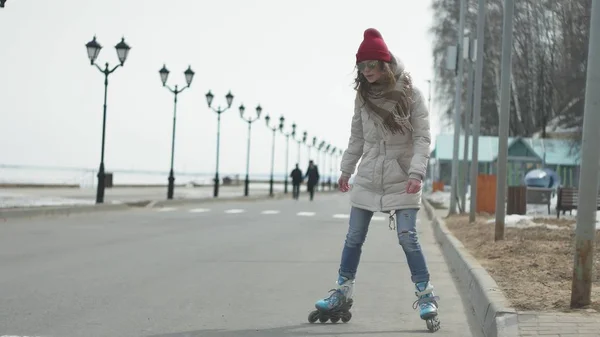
(549, 62)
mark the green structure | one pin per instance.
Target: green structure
(524, 155)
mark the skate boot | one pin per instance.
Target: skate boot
(337, 305)
(427, 304)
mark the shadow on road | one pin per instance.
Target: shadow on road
(294, 330)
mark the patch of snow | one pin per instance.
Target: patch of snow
(13, 200)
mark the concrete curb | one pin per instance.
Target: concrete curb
(492, 310)
(29, 212)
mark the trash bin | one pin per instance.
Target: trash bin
(108, 180)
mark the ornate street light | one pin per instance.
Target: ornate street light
(93, 50)
(164, 75)
(274, 130)
(249, 120)
(219, 111)
(287, 149)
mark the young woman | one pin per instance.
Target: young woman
(390, 132)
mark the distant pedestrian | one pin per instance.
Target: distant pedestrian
(312, 173)
(297, 178)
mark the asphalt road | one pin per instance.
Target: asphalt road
(251, 269)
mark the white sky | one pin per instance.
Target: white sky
(295, 58)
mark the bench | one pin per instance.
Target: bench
(567, 200)
(539, 196)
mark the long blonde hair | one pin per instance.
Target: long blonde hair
(388, 82)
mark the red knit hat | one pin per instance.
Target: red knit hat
(373, 47)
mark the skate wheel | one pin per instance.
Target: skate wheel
(323, 319)
(433, 324)
(347, 317)
(334, 319)
(313, 316)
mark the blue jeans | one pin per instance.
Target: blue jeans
(406, 221)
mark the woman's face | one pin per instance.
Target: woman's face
(370, 70)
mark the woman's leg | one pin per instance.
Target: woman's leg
(406, 224)
(357, 233)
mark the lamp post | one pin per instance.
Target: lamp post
(320, 160)
(299, 141)
(93, 50)
(248, 120)
(331, 163)
(287, 149)
(274, 130)
(304, 138)
(2, 2)
(219, 111)
(164, 75)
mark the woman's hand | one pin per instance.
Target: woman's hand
(413, 186)
(343, 183)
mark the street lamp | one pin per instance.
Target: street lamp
(332, 163)
(304, 137)
(299, 141)
(274, 130)
(164, 75)
(320, 160)
(2, 2)
(287, 149)
(93, 50)
(219, 111)
(249, 120)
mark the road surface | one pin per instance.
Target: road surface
(235, 269)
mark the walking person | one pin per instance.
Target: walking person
(390, 131)
(296, 176)
(312, 173)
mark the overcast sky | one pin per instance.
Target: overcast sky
(295, 58)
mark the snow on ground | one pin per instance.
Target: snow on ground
(515, 220)
(524, 221)
(10, 200)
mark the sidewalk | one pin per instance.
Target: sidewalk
(551, 324)
(36, 197)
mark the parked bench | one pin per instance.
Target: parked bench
(539, 196)
(568, 199)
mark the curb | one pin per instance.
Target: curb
(30, 212)
(41, 211)
(491, 309)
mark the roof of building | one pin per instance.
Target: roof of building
(555, 151)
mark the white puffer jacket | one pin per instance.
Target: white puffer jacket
(387, 161)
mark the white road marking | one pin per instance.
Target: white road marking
(199, 210)
(270, 212)
(234, 211)
(378, 218)
(305, 213)
(341, 216)
(166, 209)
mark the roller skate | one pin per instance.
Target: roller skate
(337, 305)
(427, 303)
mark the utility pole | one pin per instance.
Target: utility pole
(477, 108)
(585, 231)
(507, 39)
(464, 172)
(457, 108)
